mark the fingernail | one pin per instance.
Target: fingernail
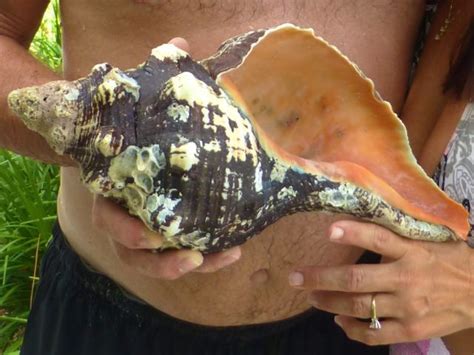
(296, 279)
(151, 240)
(230, 257)
(337, 320)
(190, 263)
(336, 234)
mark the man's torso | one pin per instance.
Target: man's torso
(378, 36)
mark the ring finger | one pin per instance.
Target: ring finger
(355, 304)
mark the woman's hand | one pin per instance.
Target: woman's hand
(421, 289)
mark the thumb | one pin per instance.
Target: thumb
(181, 43)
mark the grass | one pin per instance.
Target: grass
(28, 191)
(47, 44)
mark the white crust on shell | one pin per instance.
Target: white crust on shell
(168, 51)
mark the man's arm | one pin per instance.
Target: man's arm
(19, 20)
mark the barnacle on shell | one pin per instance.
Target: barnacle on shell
(209, 154)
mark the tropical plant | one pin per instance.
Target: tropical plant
(28, 191)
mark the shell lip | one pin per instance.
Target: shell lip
(456, 221)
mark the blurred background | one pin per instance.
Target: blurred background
(28, 192)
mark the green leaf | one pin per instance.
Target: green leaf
(28, 192)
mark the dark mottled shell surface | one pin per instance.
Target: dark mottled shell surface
(210, 153)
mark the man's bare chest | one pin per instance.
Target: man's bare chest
(378, 36)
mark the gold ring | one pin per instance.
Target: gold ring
(374, 321)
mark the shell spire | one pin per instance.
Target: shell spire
(211, 153)
(51, 110)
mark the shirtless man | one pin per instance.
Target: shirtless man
(379, 36)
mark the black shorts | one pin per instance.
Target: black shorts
(79, 311)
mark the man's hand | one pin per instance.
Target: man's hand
(421, 289)
(135, 246)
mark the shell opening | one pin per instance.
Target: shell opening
(318, 108)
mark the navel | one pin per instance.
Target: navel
(260, 276)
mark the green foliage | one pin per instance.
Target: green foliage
(47, 43)
(27, 211)
(28, 191)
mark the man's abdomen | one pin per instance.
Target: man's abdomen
(255, 289)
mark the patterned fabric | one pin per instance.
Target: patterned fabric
(430, 9)
(455, 173)
(425, 347)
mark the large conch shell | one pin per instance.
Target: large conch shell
(209, 154)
